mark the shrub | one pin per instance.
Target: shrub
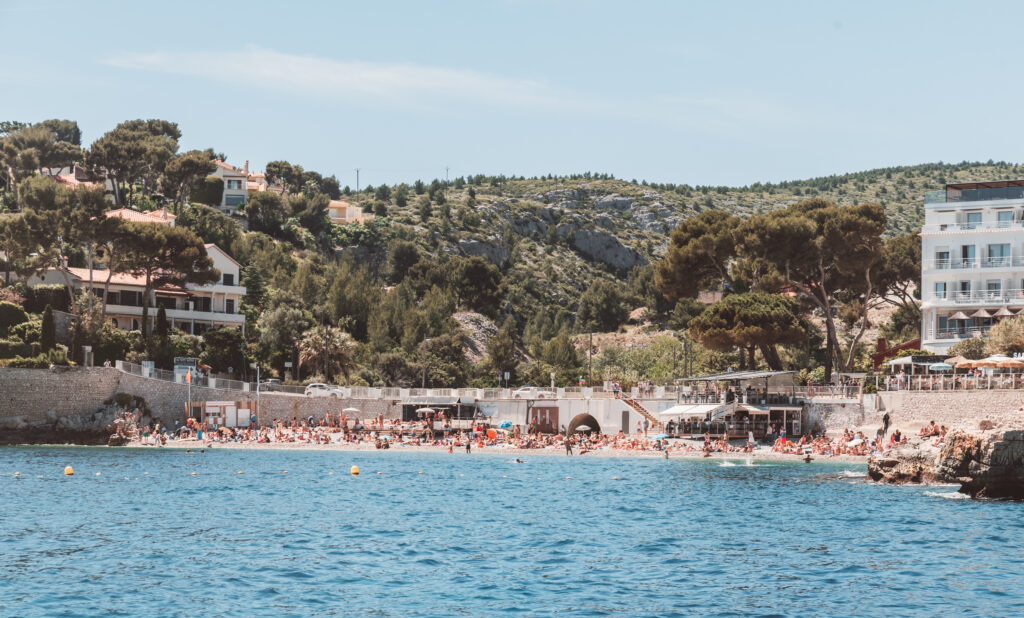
(9, 348)
(10, 315)
(48, 337)
(38, 297)
(58, 356)
(29, 332)
(209, 192)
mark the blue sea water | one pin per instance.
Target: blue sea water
(134, 532)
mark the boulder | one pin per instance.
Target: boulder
(913, 463)
(118, 440)
(614, 202)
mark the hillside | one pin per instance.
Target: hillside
(554, 236)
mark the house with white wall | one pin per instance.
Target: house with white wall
(235, 186)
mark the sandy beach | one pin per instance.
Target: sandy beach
(760, 454)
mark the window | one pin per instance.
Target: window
(1005, 218)
(942, 259)
(229, 305)
(965, 290)
(234, 184)
(973, 220)
(967, 256)
(229, 279)
(940, 289)
(993, 289)
(943, 324)
(234, 200)
(999, 255)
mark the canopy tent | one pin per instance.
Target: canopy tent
(903, 361)
(940, 367)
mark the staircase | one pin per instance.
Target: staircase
(632, 403)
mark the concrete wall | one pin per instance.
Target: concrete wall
(961, 409)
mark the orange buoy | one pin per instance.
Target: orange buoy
(355, 470)
(69, 471)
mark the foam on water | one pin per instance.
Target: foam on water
(851, 474)
(948, 495)
(726, 464)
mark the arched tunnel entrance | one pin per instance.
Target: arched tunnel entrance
(583, 420)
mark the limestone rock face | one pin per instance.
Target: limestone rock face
(606, 248)
(913, 463)
(987, 466)
(498, 255)
(614, 202)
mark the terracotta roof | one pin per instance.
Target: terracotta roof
(155, 216)
(100, 276)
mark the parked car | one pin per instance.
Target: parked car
(270, 384)
(319, 389)
(532, 392)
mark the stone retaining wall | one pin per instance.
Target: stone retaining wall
(955, 409)
(30, 393)
(38, 395)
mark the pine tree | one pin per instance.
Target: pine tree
(162, 329)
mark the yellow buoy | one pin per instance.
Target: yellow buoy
(355, 470)
(568, 477)
(195, 473)
(380, 473)
(17, 474)
(421, 471)
(285, 472)
(68, 471)
(615, 478)
(240, 472)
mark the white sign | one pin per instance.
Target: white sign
(287, 364)
(507, 376)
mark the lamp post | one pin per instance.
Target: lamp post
(256, 366)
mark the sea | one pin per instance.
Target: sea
(293, 533)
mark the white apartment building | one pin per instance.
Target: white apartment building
(235, 191)
(972, 260)
(194, 309)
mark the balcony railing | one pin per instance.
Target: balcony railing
(1000, 297)
(941, 334)
(980, 226)
(968, 263)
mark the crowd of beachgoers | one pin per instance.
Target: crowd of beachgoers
(384, 434)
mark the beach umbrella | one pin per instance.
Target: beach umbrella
(1003, 312)
(387, 437)
(954, 360)
(981, 313)
(966, 364)
(855, 442)
(351, 410)
(583, 428)
(660, 436)
(959, 315)
(1010, 363)
(940, 367)
(424, 410)
(505, 425)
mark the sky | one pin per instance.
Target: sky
(704, 93)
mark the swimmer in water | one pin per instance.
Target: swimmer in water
(808, 458)
(517, 460)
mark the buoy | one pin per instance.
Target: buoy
(380, 473)
(17, 474)
(285, 472)
(97, 474)
(615, 478)
(195, 474)
(421, 471)
(69, 471)
(240, 472)
(331, 473)
(504, 476)
(355, 470)
(568, 477)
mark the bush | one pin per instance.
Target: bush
(38, 297)
(9, 348)
(58, 356)
(209, 192)
(10, 315)
(972, 349)
(29, 332)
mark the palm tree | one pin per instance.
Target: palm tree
(328, 349)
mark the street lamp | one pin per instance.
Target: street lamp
(256, 366)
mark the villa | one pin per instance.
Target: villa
(972, 260)
(194, 309)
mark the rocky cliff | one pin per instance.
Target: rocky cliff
(986, 465)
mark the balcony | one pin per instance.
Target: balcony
(977, 192)
(178, 314)
(1014, 296)
(973, 263)
(955, 334)
(973, 227)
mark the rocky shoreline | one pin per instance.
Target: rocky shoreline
(987, 464)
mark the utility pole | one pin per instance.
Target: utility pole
(357, 180)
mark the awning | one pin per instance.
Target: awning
(689, 411)
(903, 360)
(736, 375)
(752, 409)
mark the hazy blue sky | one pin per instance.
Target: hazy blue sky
(701, 93)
